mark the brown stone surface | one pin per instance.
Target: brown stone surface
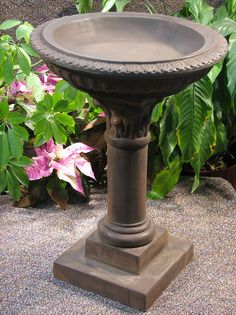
(138, 291)
(129, 259)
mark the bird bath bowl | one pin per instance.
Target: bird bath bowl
(127, 62)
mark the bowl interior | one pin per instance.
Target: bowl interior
(125, 39)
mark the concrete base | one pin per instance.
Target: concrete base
(128, 259)
(138, 291)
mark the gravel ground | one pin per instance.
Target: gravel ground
(37, 12)
(33, 238)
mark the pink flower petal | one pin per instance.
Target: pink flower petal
(42, 69)
(46, 149)
(85, 167)
(102, 114)
(39, 168)
(70, 175)
(75, 149)
(18, 87)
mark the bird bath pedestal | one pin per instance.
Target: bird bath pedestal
(127, 62)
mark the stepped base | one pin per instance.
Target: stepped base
(138, 291)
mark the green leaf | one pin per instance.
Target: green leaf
(207, 143)
(221, 137)
(231, 66)
(4, 150)
(220, 13)
(107, 5)
(20, 174)
(121, 4)
(21, 132)
(8, 70)
(34, 83)
(60, 106)
(215, 71)
(16, 146)
(194, 105)
(3, 181)
(13, 185)
(15, 118)
(4, 108)
(29, 50)
(225, 26)
(231, 8)
(24, 161)
(61, 86)
(9, 24)
(168, 125)
(157, 111)
(59, 133)
(166, 180)
(39, 140)
(47, 131)
(64, 119)
(24, 31)
(84, 6)
(23, 60)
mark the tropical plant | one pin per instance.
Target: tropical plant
(199, 122)
(86, 6)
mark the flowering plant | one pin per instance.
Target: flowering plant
(68, 163)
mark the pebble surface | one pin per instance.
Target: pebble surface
(31, 239)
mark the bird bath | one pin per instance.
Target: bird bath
(127, 62)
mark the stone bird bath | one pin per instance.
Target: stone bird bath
(127, 62)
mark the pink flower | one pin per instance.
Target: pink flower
(19, 87)
(102, 114)
(67, 163)
(47, 78)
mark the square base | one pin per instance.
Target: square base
(138, 291)
(128, 259)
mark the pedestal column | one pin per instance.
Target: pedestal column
(126, 223)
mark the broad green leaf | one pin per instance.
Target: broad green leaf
(29, 50)
(59, 133)
(4, 108)
(24, 60)
(20, 174)
(231, 8)
(157, 112)
(15, 144)
(47, 103)
(4, 150)
(8, 70)
(220, 13)
(84, 6)
(21, 132)
(15, 118)
(215, 71)
(107, 5)
(206, 14)
(24, 31)
(225, 26)
(3, 180)
(64, 119)
(24, 161)
(168, 125)
(231, 66)
(207, 143)
(9, 24)
(35, 84)
(221, 136)
(13, 185)
(166, 180)
(121, 4)
(194, 105)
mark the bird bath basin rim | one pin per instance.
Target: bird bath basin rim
(214, 47)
